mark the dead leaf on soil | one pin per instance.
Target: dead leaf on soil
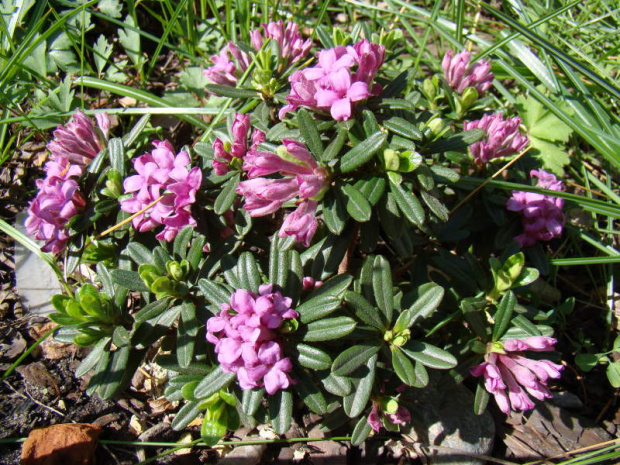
(37, 374)
(15, 348)
(61, 445)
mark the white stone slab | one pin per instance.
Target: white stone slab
(36, 282)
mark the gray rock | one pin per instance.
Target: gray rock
(36, 282)
(246, 455)
(446, 428)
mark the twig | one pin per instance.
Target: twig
(28, 396)
(600, 445)
(504, 168)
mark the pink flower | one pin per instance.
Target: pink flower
(78, 141)
(502, 137)
(226, 153)
(59, 198)
(161, 173)
(342, 77)
(291, 49)
(291, 46)
(301, 223)
(510, 377)
(460, 74)
(57, 201)
(246, 338)
(377, 416)
(309, 283)
(302, 178)
(541, 214)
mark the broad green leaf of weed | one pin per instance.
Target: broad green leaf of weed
(37, 61)
(111, 8)
(61, 56)
(547, 133)
(101, 53)
(193, 79)
(115, 73)
(180, 99)
(130, 40)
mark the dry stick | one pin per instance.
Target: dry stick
(504, 168)
(127, 220)
(600, 445)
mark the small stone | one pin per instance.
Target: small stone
(567, 400)
(61, 444)
(445, 418)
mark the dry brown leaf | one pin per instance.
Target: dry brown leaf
(61, 445)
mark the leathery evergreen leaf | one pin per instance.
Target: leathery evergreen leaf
(362, 152)
(353, 357)
(430, 356)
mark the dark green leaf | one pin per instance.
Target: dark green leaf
(185, 343)
(214, 292)
(526, 325)
(335, 286)
(333, 149)
(213, 382)
(334, 212)
(195, 252)
(318, 307)
(139, 253)
(362, 152)
(370, 122)
(248, 272)
(354, 357)
(310, 133)
(586, 362)
(371, 188)
(96, 353)
(435, 205)
(382, 287)
(421, 376)
(481, 400)
(309, 392)
(408, 204)
(458, 143)
(311, 357)
(181, 242)
(116, 153)
(329, 328)
(361, 431)
(355, 403)
(364, 310)
(403, 127)
(337, 385)
(227, 196)
(251, 400)
(503, 315)
(186, 415)
(357, 206)
(129, 280)
(403, 366)
(113, 375)
(153, 309)
(430, 356)
(429, 296)
(281, 411)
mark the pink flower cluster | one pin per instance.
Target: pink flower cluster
(378, 415)
(59, 198)
(342, 77)
(542, 214)
(460, 74)
(246, 338)
(302, 178)
(226, 153)
(502, 137)
(161, 173)
(291, 46)
(510, 377)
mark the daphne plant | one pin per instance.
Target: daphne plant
(321, 249)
